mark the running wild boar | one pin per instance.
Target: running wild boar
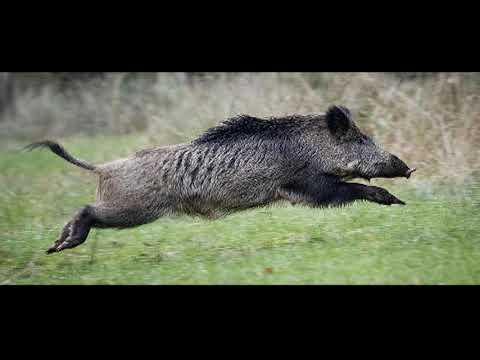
(244, 162)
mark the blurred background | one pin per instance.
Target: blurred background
(430, 120)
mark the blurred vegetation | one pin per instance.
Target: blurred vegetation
(431, 120)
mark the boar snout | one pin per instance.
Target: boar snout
(399, 169)
(404, 170)
(409, 172)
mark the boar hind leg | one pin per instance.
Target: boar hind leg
(75, 232)
(100, 215)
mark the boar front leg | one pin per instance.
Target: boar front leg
(370, 193)
(329, 192)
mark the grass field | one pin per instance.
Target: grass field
(435, 239)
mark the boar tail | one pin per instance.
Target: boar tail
(60, 151)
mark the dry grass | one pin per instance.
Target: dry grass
(432, 123)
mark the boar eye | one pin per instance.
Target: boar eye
(364, 140)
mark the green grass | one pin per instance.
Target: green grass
(435, 239)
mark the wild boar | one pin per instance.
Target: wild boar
(244, 162)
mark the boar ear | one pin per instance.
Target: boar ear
(339, 119)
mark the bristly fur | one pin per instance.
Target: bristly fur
(245, 162)
(246, 126)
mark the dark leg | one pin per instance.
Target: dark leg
(348, 192)
(379, 195)
(102, 215)
(330, 192)
(75, 231)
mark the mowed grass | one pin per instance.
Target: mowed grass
(435, 239)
